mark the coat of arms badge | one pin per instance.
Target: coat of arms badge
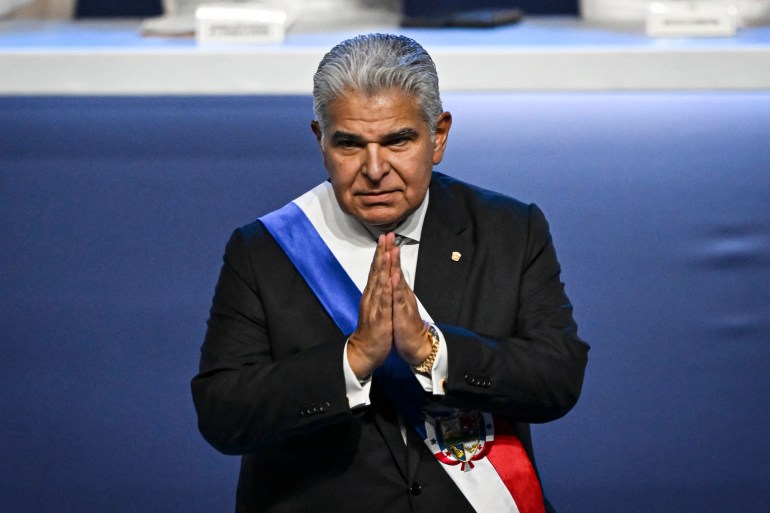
(459, 437)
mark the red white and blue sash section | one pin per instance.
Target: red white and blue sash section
(458, 437)
(334, 257)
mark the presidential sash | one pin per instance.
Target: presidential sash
(502, 477)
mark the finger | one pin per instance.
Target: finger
(403, 298)
(375, 269)
(396, 274)
(405, 309)
(385, 289)
(376, 303)
(377, 259)
(390, 241)
(409, 332)
(383, 257)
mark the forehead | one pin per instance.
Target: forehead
(385, 109)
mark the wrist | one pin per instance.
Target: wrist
(360, 364)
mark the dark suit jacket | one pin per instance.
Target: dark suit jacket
(271, 386)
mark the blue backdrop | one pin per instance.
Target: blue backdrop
(113, 217)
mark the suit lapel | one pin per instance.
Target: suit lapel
(446, 252)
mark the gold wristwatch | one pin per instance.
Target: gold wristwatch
(427, 365)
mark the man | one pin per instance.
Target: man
(382, 342)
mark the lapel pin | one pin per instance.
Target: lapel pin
(456, 256)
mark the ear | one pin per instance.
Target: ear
(443, 125)
(316, 128)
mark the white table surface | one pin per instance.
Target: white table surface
(539, 54)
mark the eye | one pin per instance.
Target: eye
(346, 144)
(400, 139)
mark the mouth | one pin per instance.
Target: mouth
(376, 196)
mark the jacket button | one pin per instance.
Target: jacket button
(415, 489)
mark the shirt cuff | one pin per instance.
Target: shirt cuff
(357, 391)
(436, 382)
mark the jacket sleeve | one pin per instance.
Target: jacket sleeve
(258, 384)
(526, 360)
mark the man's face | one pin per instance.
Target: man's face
(379, 154)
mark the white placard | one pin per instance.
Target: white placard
(703, 18)
(8, 6)
(242, 23)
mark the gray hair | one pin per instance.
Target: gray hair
(375, 62)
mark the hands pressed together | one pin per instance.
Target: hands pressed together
(387, 316)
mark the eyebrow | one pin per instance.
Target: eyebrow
(404, 133)
(345, 136)
(408, 133)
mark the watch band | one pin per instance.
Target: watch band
(426, 366)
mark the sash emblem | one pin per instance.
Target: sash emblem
(459, 436)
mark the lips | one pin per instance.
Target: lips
(375, 196)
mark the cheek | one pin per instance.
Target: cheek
(344, 178)
(416, 169)
(408, 164)
(342, 171)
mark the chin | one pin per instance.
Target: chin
(382, 221)
(384, 216)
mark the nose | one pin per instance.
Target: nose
(375, 164)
